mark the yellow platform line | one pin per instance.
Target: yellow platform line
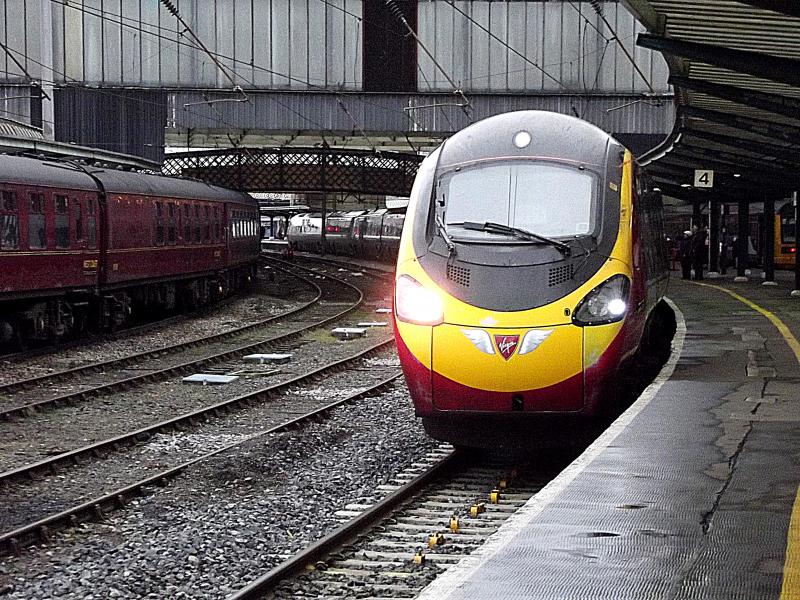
(790, 588)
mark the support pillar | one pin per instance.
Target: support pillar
(769, 241)
(742, 239)
(324, 223)
(713, 233)
(796, 290)
(697, 214)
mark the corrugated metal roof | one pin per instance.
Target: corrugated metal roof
(752, 135)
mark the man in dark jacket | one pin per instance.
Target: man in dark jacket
(685, 253)
(699, 236)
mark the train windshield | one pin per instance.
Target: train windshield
(547, 199)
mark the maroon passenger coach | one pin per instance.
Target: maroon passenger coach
(83, 247)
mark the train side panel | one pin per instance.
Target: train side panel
(49, 240)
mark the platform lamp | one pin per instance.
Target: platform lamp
(796, 204)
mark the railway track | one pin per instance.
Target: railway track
(49, 349)
(155, 398)
(384, 274)
(35, 489)
(427, 519)
(139, 367)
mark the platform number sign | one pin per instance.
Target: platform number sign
(703, 178)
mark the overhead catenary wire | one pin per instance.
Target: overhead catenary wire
(236, 87)
(503, 43)
(599, 10)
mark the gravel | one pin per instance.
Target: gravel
(229, 519)
(70, 427)
(29, 501)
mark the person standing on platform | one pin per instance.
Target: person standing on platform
(699, 250)
(685, 254)
(726, 252)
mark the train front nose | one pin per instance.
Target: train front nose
(491, 369)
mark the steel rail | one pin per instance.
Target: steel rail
(185, 367)
(345, 533)
(367, 269)
(13, 386)
(12, 542)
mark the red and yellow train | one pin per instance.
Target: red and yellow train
(83, 247)
(531, 261)
(785, 228)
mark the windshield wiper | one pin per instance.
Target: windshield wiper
(524, 234)
(443, 232)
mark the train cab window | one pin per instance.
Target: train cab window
(548, 199)
(9, 221)
(91, 223)
(37, 234)
(62, 221)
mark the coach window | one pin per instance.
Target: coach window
(171, 223)
(216, 223)
(91, 222)
(187, 226)
(78, 220)
(159, 224)
(207, 224)
(37, 237)
(9, 221)
(62, 221)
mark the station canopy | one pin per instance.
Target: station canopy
(735, 67)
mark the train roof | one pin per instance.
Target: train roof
(34, 171)
(145, 184)
(552, 135)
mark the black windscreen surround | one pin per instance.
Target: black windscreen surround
(564, 184)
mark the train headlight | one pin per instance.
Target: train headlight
(416, 304)
(607, 303)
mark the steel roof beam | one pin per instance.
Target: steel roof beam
(768, 129)
(737, 162)
(767, 66)
(787, 7)
(749, 178)
(748, 183)
(765, 149)
(673, 189)
(774, 103)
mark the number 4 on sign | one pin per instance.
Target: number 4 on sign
(703, 178)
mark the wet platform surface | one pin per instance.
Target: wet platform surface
(690, 494)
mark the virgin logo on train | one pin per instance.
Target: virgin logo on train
(506, 344)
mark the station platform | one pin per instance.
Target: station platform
(691, 493)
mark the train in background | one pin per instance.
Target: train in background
(84, 248)
(373, 234)
(531, 269)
